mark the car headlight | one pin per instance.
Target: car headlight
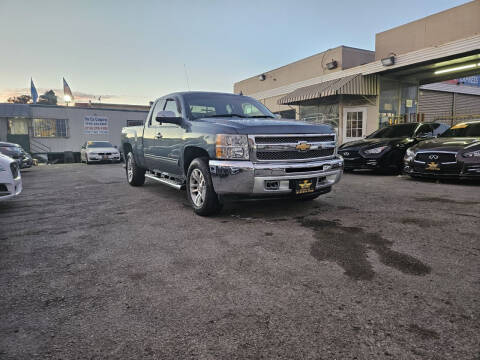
(475, 153)
(410, 152)
(233, 147)
(376, 150)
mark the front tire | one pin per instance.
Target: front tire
(200, 192)
(135, 174)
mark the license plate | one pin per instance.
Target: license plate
(305, 186)
(105, 157)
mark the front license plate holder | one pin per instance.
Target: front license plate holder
(304, 186)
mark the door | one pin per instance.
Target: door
(354, 123)
(170, 142)
(151, 137)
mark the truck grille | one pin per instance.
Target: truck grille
(14, 168)
(292, 147)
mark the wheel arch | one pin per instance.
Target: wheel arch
(190, 153)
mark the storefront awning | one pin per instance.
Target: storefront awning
(356, 84)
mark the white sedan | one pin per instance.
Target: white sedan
(97, 151)
(10, 178)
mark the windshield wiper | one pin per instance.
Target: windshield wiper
(261, 116)
(226, 115)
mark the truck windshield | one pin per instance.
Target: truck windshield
(463, 130)
(203, 105)
(395, 131)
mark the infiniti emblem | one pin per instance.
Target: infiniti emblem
(346, 153)
(433, 157)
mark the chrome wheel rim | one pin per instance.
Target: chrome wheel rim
(129, 168)
(198, 187)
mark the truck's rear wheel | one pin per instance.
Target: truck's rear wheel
(201, 194)
(135, 175)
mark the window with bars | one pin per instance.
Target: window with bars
(50, 128)
(354, 124)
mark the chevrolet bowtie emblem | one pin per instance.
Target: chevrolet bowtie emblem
(303, 146)
(432, 166)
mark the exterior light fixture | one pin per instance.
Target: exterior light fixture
(332, 65)
(458, 68)
(262, 77)
(388, 61)
(67, 98)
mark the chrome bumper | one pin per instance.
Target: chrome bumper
(245, 177)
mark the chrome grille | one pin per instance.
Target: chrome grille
(295, 147)
(14, 168)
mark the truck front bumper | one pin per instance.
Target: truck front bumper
(247, 178)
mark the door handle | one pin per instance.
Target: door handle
(159, 136)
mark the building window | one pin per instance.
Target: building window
(134, 123)
(18, 126)
(354, 124)
(50, 128)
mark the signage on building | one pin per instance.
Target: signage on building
(469, 81)
(95, 125)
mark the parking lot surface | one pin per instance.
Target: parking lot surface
(381, 267)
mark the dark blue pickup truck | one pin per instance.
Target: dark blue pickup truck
(220, 145)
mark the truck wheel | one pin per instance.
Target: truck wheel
(200, 192)
(135, 175)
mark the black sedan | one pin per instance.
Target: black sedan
(454, 154)
(385, 149)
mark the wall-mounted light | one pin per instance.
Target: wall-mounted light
(262, 77)
(332, 65)
(388, 61)
(458, 68)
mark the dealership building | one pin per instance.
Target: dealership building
(426, 70)
(59, 130)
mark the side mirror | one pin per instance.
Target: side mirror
(168, 117)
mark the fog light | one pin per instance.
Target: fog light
(271, 185)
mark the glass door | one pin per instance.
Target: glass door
(354, 123)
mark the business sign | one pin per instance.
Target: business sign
(95, 125)
(469, 81)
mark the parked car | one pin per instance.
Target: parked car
(98, 151)
(455, 153)
(12, 150)
(27, 160)
(10, 178)
(219, 145)
(385, 149)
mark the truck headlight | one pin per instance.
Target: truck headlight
(376, 150)
(232, 147)
(475, 153)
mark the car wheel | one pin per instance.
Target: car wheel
(200, 192)
(135, 174)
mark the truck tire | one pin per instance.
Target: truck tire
(200, 192)
(135, 174)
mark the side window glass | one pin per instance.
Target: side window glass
(439, 129)
(158, 107)
(424, 129)
(171, 105)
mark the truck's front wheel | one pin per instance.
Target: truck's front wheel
(200, 190)
(135, 175)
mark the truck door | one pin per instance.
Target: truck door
(170, 141)
(151, 135)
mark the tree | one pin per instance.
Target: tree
(22, 99)
(49, 98)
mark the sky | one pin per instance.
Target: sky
(136, 51)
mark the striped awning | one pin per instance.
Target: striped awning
(356, 84)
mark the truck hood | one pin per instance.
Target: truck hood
(448, 144)
(268, 126)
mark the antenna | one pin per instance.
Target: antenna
(186, 76)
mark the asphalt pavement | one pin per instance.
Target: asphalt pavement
(382, 267)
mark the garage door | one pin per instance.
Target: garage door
(435, 104)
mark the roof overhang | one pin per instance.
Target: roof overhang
(356, 84)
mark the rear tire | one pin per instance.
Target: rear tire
(135, 174)
(200, 192)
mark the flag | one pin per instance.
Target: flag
(67, 91)
(33, 91)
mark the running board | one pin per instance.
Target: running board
(168, 182)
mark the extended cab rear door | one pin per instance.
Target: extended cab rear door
(151, 135)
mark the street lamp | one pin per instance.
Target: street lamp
(67, 99)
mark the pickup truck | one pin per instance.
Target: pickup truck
(221, 146)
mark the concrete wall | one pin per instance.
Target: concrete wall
(117, 119)
(453, 24)
(3, 129)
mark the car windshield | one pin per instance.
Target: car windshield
(10, 150)
(98, 144)
(394, 131)
(463, 130)
(203, 105)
